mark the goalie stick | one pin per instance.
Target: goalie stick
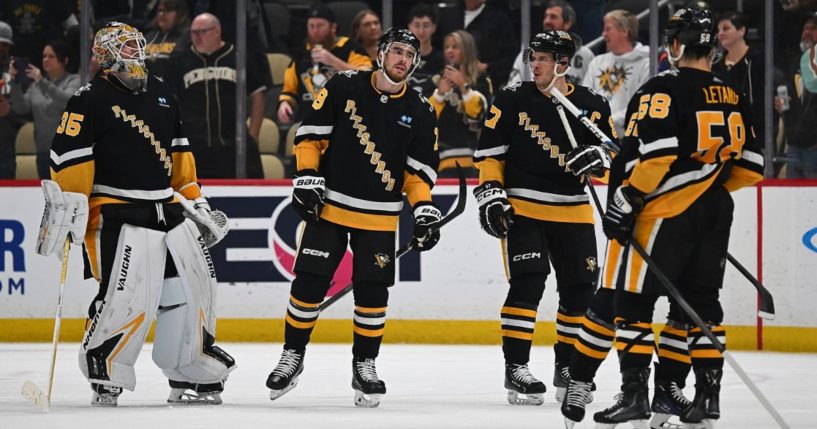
(560, 100)
(30, 390)
(456, 211)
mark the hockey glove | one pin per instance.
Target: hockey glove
(212, 224)
(426, 217)
(592, 159)
(495, 211)
(308, 194)
(622, 209)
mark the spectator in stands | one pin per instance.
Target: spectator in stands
(8, 127)
(460, 101)
(423, 23)
(45, 98)
(588, 24)
(36, 22)
(366, 30)
(801, 115)
(172, 25)
(559, 16)
(742, 66)
(328, 54)
(619, 73)
(204, 77)
(497, 41)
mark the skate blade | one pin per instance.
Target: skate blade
(661, 421)
(196, 399)
(569, 424)
(637, 424)
(36, 396)
(705, 424)
(560, 394)
(516, 398)
(275, 394)
(364, 400)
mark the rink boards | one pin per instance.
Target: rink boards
(451, 294)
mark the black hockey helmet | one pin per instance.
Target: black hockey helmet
(398, 35)
(559, 43)
(692, 27)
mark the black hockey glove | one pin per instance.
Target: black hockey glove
(307, 194)
(622, 209)
(426, 216)
(495, 211)
(591, 159)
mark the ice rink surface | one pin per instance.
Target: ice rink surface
(428, 387)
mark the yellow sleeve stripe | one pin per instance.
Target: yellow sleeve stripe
(741, 177)
(308, 153)
(491, 169)
(415, 188)
(290, 84)
(361, 62)
(76, 178)
(184, 174)
(437, 105)
(474, 105)
(649, 173)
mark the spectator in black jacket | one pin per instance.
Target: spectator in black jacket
(497, 42)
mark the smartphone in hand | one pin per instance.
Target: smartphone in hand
(21, 64)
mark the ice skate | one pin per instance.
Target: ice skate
(667, 401)
(632, 404)
(368, 387)
(520, 381)
(105, 396)
(561, 379)
(284, 377)
(184, 393)
(705, 408)
(577, 397)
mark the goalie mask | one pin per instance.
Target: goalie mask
(401, 36)
(120, 48)
(692, 27)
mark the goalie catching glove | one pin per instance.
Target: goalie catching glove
(495, 211)
(426, 216)
(66, 213)
(308, 194)
(589, 159)
(213, 225)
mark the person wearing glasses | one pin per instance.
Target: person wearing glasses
(205, 76)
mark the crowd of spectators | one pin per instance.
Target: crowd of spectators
(469, 49)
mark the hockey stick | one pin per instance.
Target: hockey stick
(458, 209)
(766, 310)
(30, 390)
(560, 99)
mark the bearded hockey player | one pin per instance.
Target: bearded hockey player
(120, 148)
(366, 141)
(531, 199)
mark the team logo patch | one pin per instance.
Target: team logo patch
(381, 260)
(591, 264)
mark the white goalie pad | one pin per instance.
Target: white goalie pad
(186, 320)
(65, 213)
(117, 332)
(212, 224)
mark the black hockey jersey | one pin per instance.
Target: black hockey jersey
(374, 147)
(460, 120)
(422, 80)
(120, 146)
(686, 131)
(524, 144)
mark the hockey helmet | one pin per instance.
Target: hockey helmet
(398, 35)
(121, 48)
(559, 43)
(692, 27)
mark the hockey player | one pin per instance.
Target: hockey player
(688, 143)
(530, 198)
(366, 140)
(119, 144)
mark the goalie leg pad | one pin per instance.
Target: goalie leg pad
(186, 321)
(117, 332)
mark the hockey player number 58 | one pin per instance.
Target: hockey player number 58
(710, 142)
(70, 124)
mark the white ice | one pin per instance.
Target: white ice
(428, 387)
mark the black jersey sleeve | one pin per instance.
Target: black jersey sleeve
(183, 178)
(72, 148)
(495, 137)
(314, 134)
(423, 157)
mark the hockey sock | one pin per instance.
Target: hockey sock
(371, 300)
(673, 353)
(305, 299)
(518, 321)
(567, 330)
(634, 342)
(704, 354)
(591, 347)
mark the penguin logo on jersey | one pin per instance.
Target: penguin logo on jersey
(381, 260)
(591, 264)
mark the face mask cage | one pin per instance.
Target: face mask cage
(121, 48)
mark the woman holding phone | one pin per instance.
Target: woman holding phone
(44, 97)
(461, 99)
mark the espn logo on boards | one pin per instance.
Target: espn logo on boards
(526, 256)
(318, 253)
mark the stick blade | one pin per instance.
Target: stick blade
(36, 396)
(766, 310)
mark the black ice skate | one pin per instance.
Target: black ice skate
(185, 393)
(668, 400)
(520, 381)
(284, 377)
(632, 404)
(705, 408)
(104, 396)
(561, 379)
(578, 396)
(368, 387)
